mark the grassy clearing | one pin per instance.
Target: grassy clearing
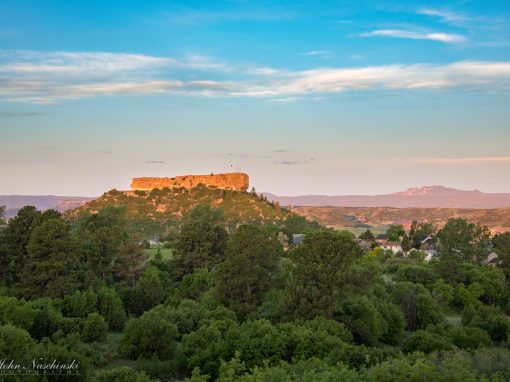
(454, 320)
(166, 253)
(113, 338)
(359, 230)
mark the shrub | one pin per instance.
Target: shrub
(306, 341)
(469, 338)
(425, 342)
(94, 328)
(110, 307)
(151, 335)
(361, 316)
(122, 374)
(395, 323)
(416, 274)
(492, 320)
(15, 343)
(204, 349)
(79, 304)
(258, 342)
(16, 312)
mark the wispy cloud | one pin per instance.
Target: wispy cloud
(428, 161)
(263, 71)
(51, 77)
(204, 17)
(73, 63)
(287, 162)
(248, 155)
(489, 24)
(15, 114)
(294, 162)
(466, 74)
(195, 61)
(317, 53)
(445, 16)
(7, 33)
(447, 38)
(284, 100)
(467, 160)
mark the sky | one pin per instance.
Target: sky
(307, 97)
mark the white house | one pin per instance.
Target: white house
(394, 246)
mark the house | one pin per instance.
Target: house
(394, 246)
(427, 243)
(297, 238)
(381, 237)
(151, 243)
(493, 259)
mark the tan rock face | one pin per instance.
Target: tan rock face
(231, 181)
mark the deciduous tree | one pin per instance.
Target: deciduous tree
(467, 241)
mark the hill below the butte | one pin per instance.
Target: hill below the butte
(151, 211)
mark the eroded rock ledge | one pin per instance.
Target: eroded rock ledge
(230, 181)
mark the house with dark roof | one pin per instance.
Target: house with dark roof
(493, 259)
(297, 238)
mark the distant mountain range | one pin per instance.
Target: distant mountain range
(13, 203)
(421, 197)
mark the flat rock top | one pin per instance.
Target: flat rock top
(229, 181)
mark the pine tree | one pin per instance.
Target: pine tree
(16, 237)
(201, 241)
(52, 262)
(247, 270)
(129, 261)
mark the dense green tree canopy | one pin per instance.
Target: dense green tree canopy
(232, 305)
(16, 238)
(321, 264)
(419, 231)
(52, 261)
(151, 335)
(2, 216)
(465, 240)
(395, 232)
(247, 270)
(201, 242)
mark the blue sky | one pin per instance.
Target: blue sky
(330, 97)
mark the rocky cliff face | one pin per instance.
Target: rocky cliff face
(230, 181)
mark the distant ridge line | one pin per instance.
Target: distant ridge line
(435, 196)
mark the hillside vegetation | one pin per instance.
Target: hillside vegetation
(497, 219)
(153, 210)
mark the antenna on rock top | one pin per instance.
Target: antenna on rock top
(237, 168)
